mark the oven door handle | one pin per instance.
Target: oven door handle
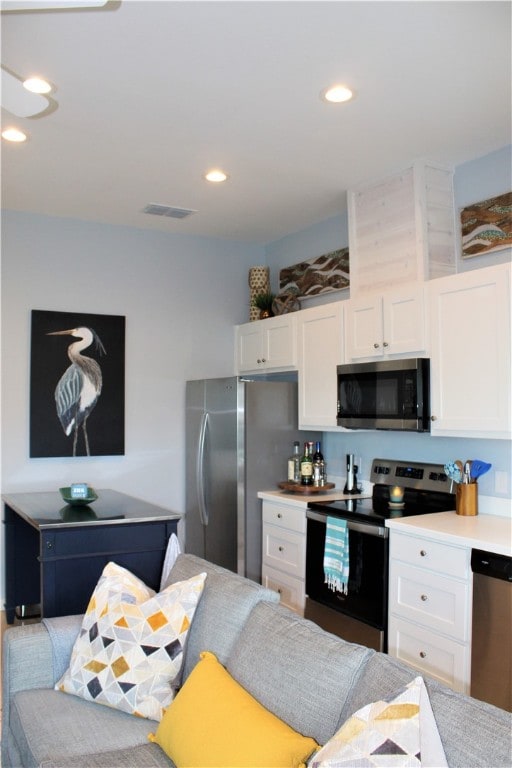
(371, 530)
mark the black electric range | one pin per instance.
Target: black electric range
(359, 614)
(426, 489)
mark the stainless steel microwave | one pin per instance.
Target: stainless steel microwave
(385, 394)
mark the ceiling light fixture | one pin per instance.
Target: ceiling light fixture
(17, 100)
(216, 176)
(337, 94)
(37, 85)
(14, 134)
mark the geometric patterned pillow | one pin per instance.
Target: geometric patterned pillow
(130, 646)
(400, 732)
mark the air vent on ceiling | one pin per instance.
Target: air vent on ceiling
(155, 209)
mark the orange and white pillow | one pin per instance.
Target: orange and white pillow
(130, 647)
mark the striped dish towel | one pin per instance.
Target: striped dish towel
(336, 555)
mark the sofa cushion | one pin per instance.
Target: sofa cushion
(473, 734)
(50, 727)
(225, 605)
(214, 722)
(400, 731)
(142, 756)
(130, 646)
(295, 669)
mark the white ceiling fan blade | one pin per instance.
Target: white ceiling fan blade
(44, 5)
(18, 101)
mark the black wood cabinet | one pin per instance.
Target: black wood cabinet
(55, 553)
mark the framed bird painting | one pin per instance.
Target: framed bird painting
(76, 384)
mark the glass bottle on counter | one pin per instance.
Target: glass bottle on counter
(318, 466)
(318, 455)
(306, 467)
(294, 464)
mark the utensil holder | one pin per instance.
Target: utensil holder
(466, 499)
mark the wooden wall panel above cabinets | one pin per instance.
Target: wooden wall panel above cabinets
(402, 229)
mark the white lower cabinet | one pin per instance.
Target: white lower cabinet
(430, 608)
(290, 588)
(284, 553)
(435, 655)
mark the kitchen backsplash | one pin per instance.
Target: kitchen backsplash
(423, 447)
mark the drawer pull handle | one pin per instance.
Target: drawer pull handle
(424, 598)
(423, 552)
(423, 654)
(376, 346)
(281, 549)
(279, 515)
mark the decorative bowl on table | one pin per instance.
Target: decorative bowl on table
(78, 501)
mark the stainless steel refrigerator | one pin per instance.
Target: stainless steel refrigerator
(239, 435)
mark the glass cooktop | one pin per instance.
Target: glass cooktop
(426, 489)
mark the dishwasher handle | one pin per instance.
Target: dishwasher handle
(491, 564)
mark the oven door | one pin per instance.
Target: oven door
(366, 603)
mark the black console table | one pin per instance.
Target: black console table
(55, 553)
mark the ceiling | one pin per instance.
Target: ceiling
(150, 95)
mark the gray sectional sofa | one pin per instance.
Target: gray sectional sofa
(312, 680)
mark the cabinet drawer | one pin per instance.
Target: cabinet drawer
(438, 656)
(290, 588)
(292, 518)
(431, 599)
(442, 558)
(284, 550)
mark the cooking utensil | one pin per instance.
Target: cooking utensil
(467, 471)
(453, 472)
(479, 468)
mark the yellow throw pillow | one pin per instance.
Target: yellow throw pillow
(130, 646)
(214, 722)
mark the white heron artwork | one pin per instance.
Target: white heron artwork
(77, 384)
(79, 387)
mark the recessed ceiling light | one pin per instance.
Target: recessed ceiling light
(37, 85)
(216, 175)
(337, 94)
(14, 134)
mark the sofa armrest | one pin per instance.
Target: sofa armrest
(27, 659)
(26, 663)
(32, 657)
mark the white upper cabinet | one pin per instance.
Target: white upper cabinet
(265, 345)
(388, 324)
(320, 351)
(402, 229)
(471, 354)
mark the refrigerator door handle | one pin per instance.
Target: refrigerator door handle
(203, 511)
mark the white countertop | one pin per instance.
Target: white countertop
(301, 500)
(489, 532)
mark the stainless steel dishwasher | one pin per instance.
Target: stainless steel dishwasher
(491, 653)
